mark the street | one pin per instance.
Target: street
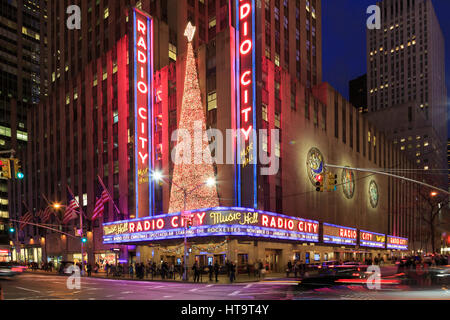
(53, 287)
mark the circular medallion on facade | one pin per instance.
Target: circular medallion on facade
(373, 194)
(314, 164)
(348, 183)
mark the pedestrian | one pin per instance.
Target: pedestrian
(216, 270)
(248, 269)
(172, 271)
(107, 269)
(89, 270)
(196, 270)
(210, 271)
(289, 268)
(260, 268)
(232, 268)
(295, 268)
(130, 270)
(256, 269)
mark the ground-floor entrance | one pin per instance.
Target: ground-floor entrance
(273, 260)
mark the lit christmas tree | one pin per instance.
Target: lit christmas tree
(195, 169)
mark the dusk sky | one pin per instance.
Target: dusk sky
(344, 39)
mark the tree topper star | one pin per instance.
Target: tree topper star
(189, 32)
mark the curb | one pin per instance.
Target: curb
(145, 279)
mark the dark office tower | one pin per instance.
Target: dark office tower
(406, 80)
(358, 93)
(22, 82)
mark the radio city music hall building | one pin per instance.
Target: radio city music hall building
(116, 98)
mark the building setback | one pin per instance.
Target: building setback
(358, 93)
(86, 128)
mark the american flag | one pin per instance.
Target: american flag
(70, 213)
(46, 214)
(100, 200)
(26, 218)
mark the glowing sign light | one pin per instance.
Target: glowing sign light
(397, 243)
(246, 102)
(213, 222)
(142, 48)
(339, 234)
(372, 239)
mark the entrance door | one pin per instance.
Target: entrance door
(273, 260)
(220, 258)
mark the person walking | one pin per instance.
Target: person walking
(289, 268)
(130, 270)
(89, 270)
(232, 268)
(260, 268)
(216, 270)
(256, 269)
(196, 270)
(210, 271)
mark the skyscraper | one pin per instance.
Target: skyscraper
(22, 82)
(406, 81)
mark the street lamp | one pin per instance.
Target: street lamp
(210, 182)
(433, 193)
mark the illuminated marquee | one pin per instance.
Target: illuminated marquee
(372, 239)
(246, 104)
(142, 48)
(397, 243)
(213, 222)
(339, 234)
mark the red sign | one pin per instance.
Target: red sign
(347, 233)
(143, 89)
(246, 66)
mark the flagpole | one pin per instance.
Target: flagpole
(109, 195)
(51, 206)
(81, 228)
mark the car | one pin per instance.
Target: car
(8, 270)
(65, 266)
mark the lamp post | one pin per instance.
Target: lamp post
(210, 182)
(57, 206)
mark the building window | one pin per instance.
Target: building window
(212, 100)
(264, 113)
(277, 120)
(172, 52)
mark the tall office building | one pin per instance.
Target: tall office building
(406, 81)
(93, 123)
(22, 82)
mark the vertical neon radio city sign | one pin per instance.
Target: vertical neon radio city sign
(142, 48)
(246, 103)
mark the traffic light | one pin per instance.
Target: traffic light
(319, 183)
(18, 169)
(189, 223)
(84, 239)
(331, 182)
(6, 168)
(11, 229)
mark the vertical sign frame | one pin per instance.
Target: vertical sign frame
(246, 153)
(142, 49)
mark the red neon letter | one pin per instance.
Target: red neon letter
(142, 58)
(246, 46)
(141, 27)
(265, 221)
(146, 225)
(142, 87)
(200, 217)
(131, 227)
(141, 112)
(144, 141)
(244, 75)
(245, 112)
(245, 10)
(173, 222)
(246, 132)
(160, 224)
(141, 43)
(143, 157)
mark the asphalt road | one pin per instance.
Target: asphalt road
(52, 287)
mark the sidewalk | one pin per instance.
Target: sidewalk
(223, 279)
